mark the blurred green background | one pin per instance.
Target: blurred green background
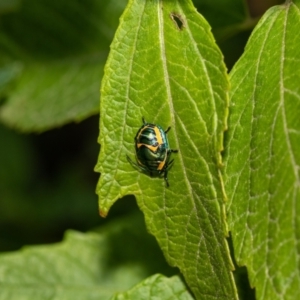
(48, 183)
(51, 63)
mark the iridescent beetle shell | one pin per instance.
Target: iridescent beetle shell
(152, 151)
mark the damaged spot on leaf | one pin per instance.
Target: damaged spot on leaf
(178, 20)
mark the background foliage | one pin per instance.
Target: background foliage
(52, 55)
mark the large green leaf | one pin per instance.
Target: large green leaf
(70, 270)
(263, 155)
(49, 95)
(60, 48)
(83, 266)
(157, 287)
(164, 65)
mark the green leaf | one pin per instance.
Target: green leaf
(69, 270)
(51, 94)
(164, 65)
(60, 48)
(83, 266)
(157, 287)
(8, 75)
(263, 155)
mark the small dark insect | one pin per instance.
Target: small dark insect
(152, 151)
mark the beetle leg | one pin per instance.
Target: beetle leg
(166, 177)
(144, 122)
(167, 168)
(168, 129)
(137, 166)
(169, 165)
(131, 161)
(172, 151)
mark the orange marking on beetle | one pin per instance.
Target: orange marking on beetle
(161, 164)
(158, 135)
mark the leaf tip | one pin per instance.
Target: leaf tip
(103, 212)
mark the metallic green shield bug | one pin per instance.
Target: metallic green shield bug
(152, 151)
